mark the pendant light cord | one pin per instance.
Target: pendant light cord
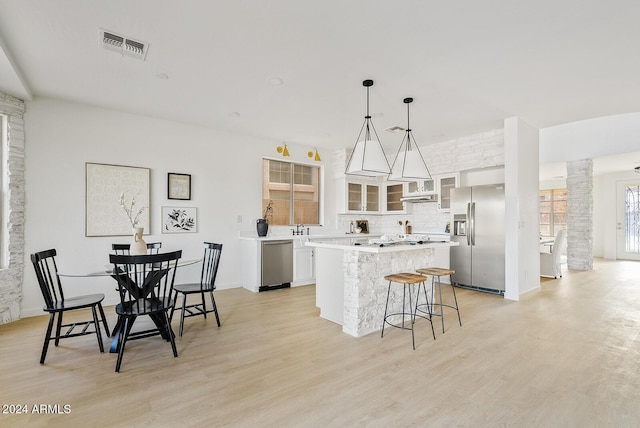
(408, 101)
(368, 116)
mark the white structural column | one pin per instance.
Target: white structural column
(580, 214)
(522, 260)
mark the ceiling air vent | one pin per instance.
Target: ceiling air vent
(395, 129)
(123, 44)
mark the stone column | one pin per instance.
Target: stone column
(12, 262)
(580, 214)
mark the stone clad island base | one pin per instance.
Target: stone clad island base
(350, 285)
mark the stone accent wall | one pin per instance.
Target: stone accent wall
(580, 214)
(11, 275)
(365, 289)
(471, 152)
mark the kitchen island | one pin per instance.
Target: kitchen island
(350, 285)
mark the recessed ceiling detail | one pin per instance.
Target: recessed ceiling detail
(275, 81)
(124, 45)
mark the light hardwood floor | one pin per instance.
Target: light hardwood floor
(567, 355)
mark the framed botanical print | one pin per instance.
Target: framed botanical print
(179, 186)
(179, 220)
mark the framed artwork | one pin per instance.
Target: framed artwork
(107, 186)
(179, 220)
(179, 186)
(363, 225)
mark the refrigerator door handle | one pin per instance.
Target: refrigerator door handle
(473, 223)
(468, 231)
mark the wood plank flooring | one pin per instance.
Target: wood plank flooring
(567, 355)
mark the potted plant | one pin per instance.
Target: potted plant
(263, 223)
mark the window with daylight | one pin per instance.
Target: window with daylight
(293, 191)
(553, 211)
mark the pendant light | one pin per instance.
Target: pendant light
(367, 157)
(409, 164)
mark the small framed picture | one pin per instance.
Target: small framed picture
(179, 220)
(363, 225)
(179, 186)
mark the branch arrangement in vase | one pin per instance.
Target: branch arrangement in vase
(268, 211)
(130, 210)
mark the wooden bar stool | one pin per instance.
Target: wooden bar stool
(407, 280)
(438, 272)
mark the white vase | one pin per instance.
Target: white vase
(138, 246)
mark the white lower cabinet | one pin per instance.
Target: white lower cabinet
(303, 264)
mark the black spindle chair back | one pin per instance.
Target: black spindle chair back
(145, 285)
(207, 284)
(210, 264)
(145, 281)
(46, 269)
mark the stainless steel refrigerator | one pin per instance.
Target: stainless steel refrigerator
(478, 220)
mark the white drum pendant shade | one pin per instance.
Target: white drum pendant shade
(368, 159)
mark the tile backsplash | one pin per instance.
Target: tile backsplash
(424, 217)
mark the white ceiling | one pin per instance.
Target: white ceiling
(467, 64)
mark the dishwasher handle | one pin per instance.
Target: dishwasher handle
(288, 241)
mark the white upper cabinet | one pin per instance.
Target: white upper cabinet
(421, 187)
(393, 196)
(363, 197)
(445, 183)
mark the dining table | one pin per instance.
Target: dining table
(109, 271)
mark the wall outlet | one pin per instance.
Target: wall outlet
(239, 219)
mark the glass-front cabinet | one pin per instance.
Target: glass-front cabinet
(363, 197)
(445, 183)
(393, 203)
(421, 187)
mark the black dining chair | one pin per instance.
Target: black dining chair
(123, 249)
(207, 284)
(56, 303)
(145, 285)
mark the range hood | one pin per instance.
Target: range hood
(420, 198)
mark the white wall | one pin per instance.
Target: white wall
(226, 173)
(521, 145)
(594, 138)
(590, 138)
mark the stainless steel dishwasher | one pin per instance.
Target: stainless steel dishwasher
(277, 264)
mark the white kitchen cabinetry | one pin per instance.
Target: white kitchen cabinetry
(445, 183)
(363, 197)
(393, 193)
(303, 264)
(421, 187)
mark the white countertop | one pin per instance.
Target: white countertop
(305, 238)
(381, 249)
